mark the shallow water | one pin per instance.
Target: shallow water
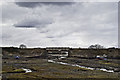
(27, 70)
(90, 68)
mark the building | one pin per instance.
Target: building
(58, 51)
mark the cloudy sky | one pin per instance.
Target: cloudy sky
(72, 24)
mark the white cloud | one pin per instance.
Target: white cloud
(75, 25)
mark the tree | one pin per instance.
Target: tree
(22, 46)
(96, 46)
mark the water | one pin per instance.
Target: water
(27, 70)
(90, 68)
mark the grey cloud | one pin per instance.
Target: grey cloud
(119, 25)
(11, 12)
(50, 37)
(26, 23)
(27, 4)
(57, 3)
(60, 35)
(74, 25)
(30, 23)
(44, 31)
(34, 4)
(6, 36)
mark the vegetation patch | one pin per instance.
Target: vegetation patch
(17, 71)
(108, 63)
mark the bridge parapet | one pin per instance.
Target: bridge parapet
(58, 51)
(57, 48)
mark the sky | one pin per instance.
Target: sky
(59, 24)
